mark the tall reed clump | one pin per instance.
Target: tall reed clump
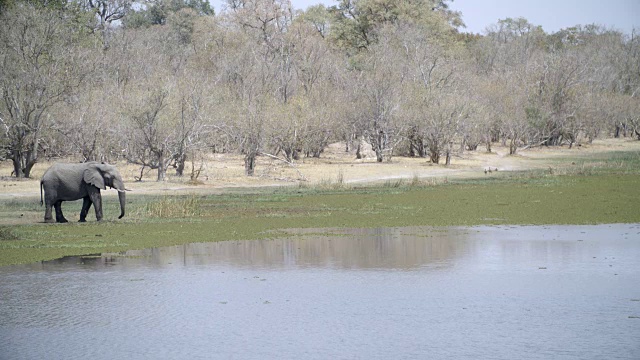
(328, 183)
(174, 207)
(340, 179)
(394, 183)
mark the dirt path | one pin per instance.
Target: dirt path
(223, 172)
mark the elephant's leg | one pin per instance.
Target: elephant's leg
(96, 199)
(59, 217)
(86, 205)
(48, 217)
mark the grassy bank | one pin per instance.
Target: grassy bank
(598, 190)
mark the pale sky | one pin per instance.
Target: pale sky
(552, 15)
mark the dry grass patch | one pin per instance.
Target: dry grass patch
(338, 169)
(172, 207)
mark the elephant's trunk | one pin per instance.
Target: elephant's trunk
(122, 198)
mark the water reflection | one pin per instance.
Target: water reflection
(378, 248)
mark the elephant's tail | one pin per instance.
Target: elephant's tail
(41, 200)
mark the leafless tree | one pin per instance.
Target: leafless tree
(39, 68)
(380, 84)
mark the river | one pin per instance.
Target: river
(488, 292)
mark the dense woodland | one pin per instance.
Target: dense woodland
(162, 83)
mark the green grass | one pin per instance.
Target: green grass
(592, 191)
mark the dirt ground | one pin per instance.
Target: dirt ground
(225, 171)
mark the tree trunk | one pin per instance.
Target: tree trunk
(250, 163)
(434, 156)
(290, 154)
(180, 164)
(162, 173)
(17, 165)
(512, 147)
(358, 153)
(28, 166)
(22, 163)
(162, 169)
(380, 143)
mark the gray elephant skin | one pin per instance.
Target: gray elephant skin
(69, 182)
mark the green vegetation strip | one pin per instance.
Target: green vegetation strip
(531, 199)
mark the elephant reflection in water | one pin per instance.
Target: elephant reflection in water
(68, 182)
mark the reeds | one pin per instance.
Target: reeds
(174, 207)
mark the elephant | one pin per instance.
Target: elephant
(68, 182)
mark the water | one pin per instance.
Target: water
(561, 292)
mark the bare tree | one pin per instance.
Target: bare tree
(39, 69)
(434, 103)
(91, 127)
(167, 129)
(380, 84)
(149, 141)
(553, 101)
(194, 127)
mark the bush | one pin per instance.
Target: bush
(174, 207)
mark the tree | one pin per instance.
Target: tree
(302, 116)
(510, 43)
(149, 142)
(106, 12)
(510, 104)
(159, 100)
(264, 76)
(39, 69)
(380, 83)
(193, 128)
(356, 23)
(319, 18)
(553, 101)
(5, 5)
(90, 128)
(158, 12)
(483, 115)
(433, 98)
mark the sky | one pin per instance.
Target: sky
(552, 15)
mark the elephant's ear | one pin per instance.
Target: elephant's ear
(92, 176)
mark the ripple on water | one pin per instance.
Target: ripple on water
(503, 292)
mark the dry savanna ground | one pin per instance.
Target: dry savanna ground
(226, 171)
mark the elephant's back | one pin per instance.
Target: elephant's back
(65, 181)
(59, 169)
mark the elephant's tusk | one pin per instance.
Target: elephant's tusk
(122, 190)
